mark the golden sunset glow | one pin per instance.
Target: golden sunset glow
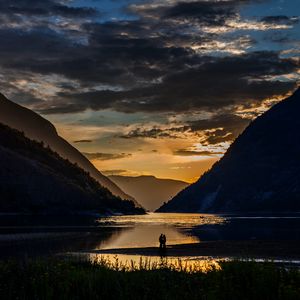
(149, 149)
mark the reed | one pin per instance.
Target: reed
(111, 279)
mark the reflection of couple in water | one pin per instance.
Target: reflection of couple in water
(162, 241)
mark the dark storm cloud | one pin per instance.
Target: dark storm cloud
(36, 45)
(118, 53)
(203, 12)
(146, 65)
(105, 156)
(215, 83)
(107, 59)
(280, 20)
(44, 51)
(15, 8)
(210, 13)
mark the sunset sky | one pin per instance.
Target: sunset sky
(150, 87)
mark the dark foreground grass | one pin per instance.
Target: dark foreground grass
(56, 279)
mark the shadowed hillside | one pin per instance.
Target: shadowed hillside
(259, 172)
(149, 191)
(33, 178)
(37, 128)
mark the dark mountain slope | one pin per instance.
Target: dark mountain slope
(259, 172)
(37, 128)
(149, 191)
(33, 178)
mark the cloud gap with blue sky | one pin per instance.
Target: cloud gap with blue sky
(150, 87)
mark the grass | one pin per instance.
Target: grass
(67, 279)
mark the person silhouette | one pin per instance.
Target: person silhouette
(162, 241)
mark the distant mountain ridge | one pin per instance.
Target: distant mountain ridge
(37, 128)
(149, 191)
(259, 172)
(34, 179)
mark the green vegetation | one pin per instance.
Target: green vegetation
(57, 279)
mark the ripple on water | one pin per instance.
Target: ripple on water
(172, 219)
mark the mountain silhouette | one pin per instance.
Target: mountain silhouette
(260, 172)
(34, 179)
(37, 128)
(149, 191)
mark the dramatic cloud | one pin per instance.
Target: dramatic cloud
(147, 63)
(217, 129)
(281, 20)
(186, 152)
(202, 11)
(17, 8)
(105, 156)
(215, 83)
(207, 13)
(221, 128)
(82, 141)
(144, 74)
(153, 133)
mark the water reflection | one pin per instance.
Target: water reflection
(37, 235)
(144, 230)
(146, 236)
(173, 219)
(33, 236)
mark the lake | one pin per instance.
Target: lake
(27, 236)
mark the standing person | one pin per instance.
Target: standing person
(164, 240)
(161, 241)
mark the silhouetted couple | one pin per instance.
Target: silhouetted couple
(162, 241)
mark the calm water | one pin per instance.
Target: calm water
(33, 236)
(143, 231)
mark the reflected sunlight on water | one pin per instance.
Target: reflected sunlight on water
(146, 236)
(174, 219)
(144, 230)
(140, 235)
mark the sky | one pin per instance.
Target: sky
(150, 87)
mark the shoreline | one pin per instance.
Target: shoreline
(218, 249)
